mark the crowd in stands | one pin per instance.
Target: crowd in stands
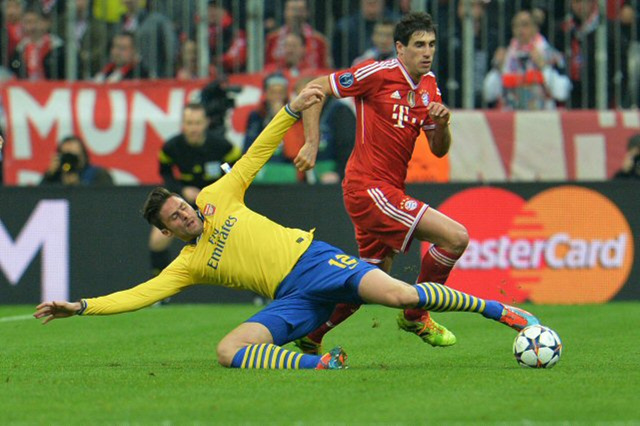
(529, 54)
(543, 58)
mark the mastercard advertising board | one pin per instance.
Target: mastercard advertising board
(564, 245)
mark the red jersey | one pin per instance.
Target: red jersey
(391, 109)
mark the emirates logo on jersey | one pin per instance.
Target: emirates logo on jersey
(209, 210)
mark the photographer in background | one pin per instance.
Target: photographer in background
(70, 166)
(631, 164)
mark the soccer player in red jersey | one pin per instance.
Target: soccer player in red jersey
(394, 100)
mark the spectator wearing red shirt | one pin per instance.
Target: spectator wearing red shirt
(40, 54)
(124, 62)
(293, 63)
(222, 37)
(13, 24)
(295, 17)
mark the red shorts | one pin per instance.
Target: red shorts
(384, 218)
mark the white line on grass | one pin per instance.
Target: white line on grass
(16, 318)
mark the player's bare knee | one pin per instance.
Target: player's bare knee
(226, 351)
(402, 297)
(460, 240)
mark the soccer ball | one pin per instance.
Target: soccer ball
(537, 346)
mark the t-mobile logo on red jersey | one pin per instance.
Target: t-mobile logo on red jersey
(401, 115)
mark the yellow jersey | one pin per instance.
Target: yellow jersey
(238, 247)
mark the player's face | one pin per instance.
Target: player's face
(180, 219)
(417, 56)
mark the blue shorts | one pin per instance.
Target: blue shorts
(323, 277)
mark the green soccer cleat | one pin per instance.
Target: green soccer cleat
(428, 330)
(335, 359)
(308, 346)
(517, 318)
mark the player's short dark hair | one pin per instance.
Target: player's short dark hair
(153, 205)
(415, 21)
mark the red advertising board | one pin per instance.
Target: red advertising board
(565, 245)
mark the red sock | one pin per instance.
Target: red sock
(340, 313)
(436, 266)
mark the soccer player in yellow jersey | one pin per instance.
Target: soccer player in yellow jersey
(230, 245)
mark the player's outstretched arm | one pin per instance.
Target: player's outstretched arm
(58, 309)
(306, 158)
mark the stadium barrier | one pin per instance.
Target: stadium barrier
(542, 242)
(125, 124)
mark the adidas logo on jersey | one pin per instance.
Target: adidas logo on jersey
(396, 95)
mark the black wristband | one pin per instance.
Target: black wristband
(291, 112)
(83, 307)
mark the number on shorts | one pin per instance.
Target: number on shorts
(343, 261)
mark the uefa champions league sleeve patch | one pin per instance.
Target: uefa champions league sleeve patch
(346, 80)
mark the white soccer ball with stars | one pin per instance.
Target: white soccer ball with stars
(537, 346)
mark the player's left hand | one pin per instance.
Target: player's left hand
(52, 310)
(439, 113)
(309, 96)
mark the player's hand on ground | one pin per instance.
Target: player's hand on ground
(306, 158)
(59, 309)
(309, 96)
(439, 114)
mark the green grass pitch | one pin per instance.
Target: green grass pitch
(157, 366)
